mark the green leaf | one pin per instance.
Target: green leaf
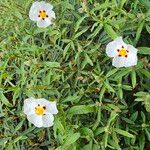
(81, 32)
(52, 64)
(110, 31)
(71, 139)
(115, 140)
(74, 98)
(127, 120)
(81, 109)
(147, 134)
(105, 139)
(28, 130)
(138, 33)
(99, 130)
(147, 103)
(146, 3)
(121, 73)
(143, 116)
(122, 2)
(18, 127)
(112, 118)
(88, 60)
(145, 72)
(114, 107)
(148, 28)
(108, 87)
(79, 22)
(124, 133)
(87, 132)
(141, 94)
(111, 72)
(144, 50)
(142, 141)
(102, 92)
(20, 138)
(4, 99)
(66, 49)
(67, 5)
(134, 116)
(58, 127)
(18, 15)
(95, 32)
(133, 78)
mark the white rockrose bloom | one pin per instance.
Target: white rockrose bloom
(124, 55)
(42, 13)
(40, 111)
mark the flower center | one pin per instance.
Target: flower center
(122, 52)
(40, 110)
(42, 14)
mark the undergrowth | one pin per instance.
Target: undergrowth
(100, 107)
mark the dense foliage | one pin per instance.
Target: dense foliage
(100, 107)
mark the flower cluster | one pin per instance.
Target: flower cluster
(124, 55)
(40, 111)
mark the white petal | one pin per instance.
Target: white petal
(131, 49)
(43, 101)
(48, 8)
(51, 14)
(36, 120)
(48, 120)
(111, 48)
(29, 106)
(44, 23)
(132, 56)
(45, 6)
(50, 106)
(131, 60)
(118, 61)
(34, 11)
(119, 40)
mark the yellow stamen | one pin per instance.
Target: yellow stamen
(40, 110)
(42, 14)
(122, 52)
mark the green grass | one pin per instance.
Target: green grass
(100, 107)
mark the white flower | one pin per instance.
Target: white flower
(40, 111)
(42, 13)
(124, 55)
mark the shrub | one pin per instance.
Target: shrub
(100, 107)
